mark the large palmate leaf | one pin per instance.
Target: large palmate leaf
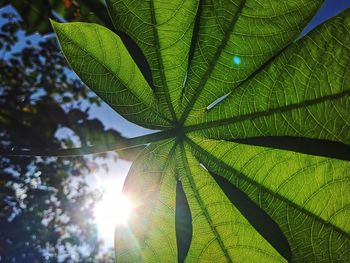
(244, 56)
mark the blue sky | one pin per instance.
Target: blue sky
(329, 9)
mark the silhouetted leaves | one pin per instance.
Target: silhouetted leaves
(46, 203)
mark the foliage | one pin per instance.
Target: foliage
(46, 204)
(36, 13)
(244, 56)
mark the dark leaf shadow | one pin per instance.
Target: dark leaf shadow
(317, 147)
(183, 223)
(261, 221)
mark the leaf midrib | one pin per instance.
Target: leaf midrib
(157, 190)
(212, 64)
(259, 114)
(160, 62)
(226, 167)
(201, 204)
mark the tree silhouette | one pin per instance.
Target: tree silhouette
(46, 204)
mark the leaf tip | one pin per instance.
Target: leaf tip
(54, 25)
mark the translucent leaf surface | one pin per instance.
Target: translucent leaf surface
(163, 30)
(151, 188)
(297, 95)
(245, 53)
(304, 194)
(236, 38)
(101, 60)
(218, 227)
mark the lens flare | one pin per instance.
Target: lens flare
(114, 209)
(236, 60)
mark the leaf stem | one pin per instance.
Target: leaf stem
(96, 149)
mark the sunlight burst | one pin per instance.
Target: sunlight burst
(114, 209)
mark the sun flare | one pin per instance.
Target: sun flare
(113, 209)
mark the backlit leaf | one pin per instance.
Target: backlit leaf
(264, 82)
(101, 60)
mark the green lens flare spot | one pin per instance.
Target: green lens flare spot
(236, 60)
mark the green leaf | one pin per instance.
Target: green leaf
(218, 227)
(247, 55)
(101, 60)
(306, 195)
(151, 188)
(235, 38)
(297, 93)
(163, 31)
